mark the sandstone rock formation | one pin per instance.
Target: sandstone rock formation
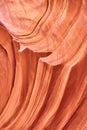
(43, 64)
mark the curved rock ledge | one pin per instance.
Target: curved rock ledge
(43, 65)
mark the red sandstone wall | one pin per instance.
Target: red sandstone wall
(43, 64)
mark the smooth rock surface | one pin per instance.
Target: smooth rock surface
(43, 64)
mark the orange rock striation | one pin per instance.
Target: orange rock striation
(43, 64)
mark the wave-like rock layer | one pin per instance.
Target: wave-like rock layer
(43, 64)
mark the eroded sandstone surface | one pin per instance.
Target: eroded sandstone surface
(43, 64)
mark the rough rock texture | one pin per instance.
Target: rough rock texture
(43, 64)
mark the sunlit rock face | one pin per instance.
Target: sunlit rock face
(43, 64)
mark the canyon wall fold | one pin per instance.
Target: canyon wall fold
(43, 64)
